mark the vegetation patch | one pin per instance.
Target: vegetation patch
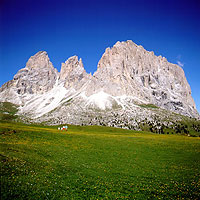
(92, 162)
(147, 106)
(8, 111)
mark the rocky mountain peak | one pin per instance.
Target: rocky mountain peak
(39, 60)
(73, 73)
(129, 69)
(126, 49)
(72, 66)
(127, 75)
(38, 77)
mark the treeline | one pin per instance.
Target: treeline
(190, 128)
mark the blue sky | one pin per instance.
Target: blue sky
(85, 28)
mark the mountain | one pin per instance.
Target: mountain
(130, 85)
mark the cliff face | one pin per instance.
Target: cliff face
(38, 77)
(73, 73)
(128, 69)
(127, 75)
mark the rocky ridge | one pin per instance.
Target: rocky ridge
(127, 77)
(38, 77)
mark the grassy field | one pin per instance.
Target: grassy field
(96, 163)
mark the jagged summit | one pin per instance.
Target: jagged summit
(38, 77)
(40, 53)
(127, 75)
(39, 60)
(128, 69)
(71, 65)
(73, 73)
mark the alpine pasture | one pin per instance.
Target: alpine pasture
(91, 162)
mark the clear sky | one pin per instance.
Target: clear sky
(85, 28)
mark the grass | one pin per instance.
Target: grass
(8, 107)
(147, 105)
(91, 162)
(8, 111)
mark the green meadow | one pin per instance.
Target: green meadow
(91, 162)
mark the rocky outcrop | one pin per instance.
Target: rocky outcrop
(127, 76)
(39, 76)
(128, 69)
(73, 73)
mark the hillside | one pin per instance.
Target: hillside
(91, 162)
(128, 79)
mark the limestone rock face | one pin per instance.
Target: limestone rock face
(128, 69)
(73, 73)
(39, 61)
(127, 75)
(39, 76)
